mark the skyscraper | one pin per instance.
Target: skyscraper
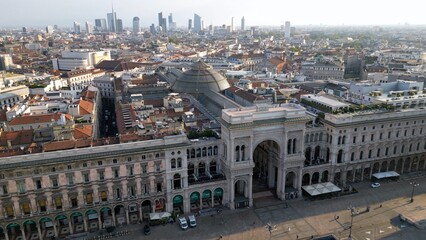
(152, 29)
(101, 25)
(232, 24)
(160, 18)
(243, 24)
(77, 28)
(197, 23)
(119, 26)
(136, 25)
(287, 29)
(89, 28)
(112, 21)
(49, 29)
(172, 25)
(189, 24)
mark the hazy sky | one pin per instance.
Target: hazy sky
(40, 13)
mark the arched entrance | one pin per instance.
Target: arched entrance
(106, 217)
(241, 194)
(77, 222)
(146, 209)
(46, 226)
(14, 231)
(30, 228)
(2, 234)
(265, 172)
(133, 213)
(178, 204)
(92, 220)
(384, 167)
(218, 196)
(399, 166)
(290, 185)
(120, 215)
(376, 167)
(324, 176)
(62, 225)
(392, 165)
(195, 201)
(315, 178)
(306, 179)
(207, 199)
(407, 165)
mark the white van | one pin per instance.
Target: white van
(192, 221)
(182, 223)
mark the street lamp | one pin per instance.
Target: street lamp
(353, 213)
(414, 184)
(270, 228)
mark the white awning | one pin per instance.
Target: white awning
(160, 215)
(385, 174)
(321, 188)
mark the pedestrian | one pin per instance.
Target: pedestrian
(380, 205)
(297, 236)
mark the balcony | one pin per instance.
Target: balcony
(205, 178)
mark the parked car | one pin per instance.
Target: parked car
(192, 221)
(182, 223)
(375, 185)
(147, 230)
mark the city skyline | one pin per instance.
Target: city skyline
(333, 13)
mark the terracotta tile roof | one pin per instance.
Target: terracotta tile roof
(60, 145)
(34, 119)
(275, 61)
(23, 137)
(83, 143)
(86, 107)
(83, 131)
(244, 94)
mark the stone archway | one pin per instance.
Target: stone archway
(306, 179)
(384, 167)
(241, 194)
(77, 222)
(178, 204)
(62, 225)
(315, 178)
(14, 231)
(376, 167)
(30, 228)
(146, 209)
(265, 171)
(324, 176)
(120, 215)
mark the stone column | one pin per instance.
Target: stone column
(100, 222)
(114, 221)
(232, 194)
(138, 187)
(250, 188)
(33, 204)
(86, 229)
(24, 237)
(127, 216)
(55, 230)
(70, 226)
(140, 213)
(40, 235)
(7, 235)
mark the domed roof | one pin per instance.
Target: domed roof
(200, 78)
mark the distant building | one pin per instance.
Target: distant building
(81, 58)
(89, 27)
(232, 24)
(243, 24)
(101, 25)
(322, 70)
(49, 29)
(136, 25)
(152, 29)
(197, 23)
(77, 28)
(287, 29)
(119, 26)
(5, 62)
(189, 24)
(112, 21)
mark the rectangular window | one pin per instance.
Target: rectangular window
(372, 137)
(354, 140)
(86, 177)
(405, 133)
(54, 182)
(159, 188)
(381, 136)
(129, 159)
(394, 150)
(369, 153)
(104, 196)
(144, 168)
(387, 151)
(413, 131)
(89, 198)
(145, 189)
(3, 190)
(129, 170)
(70, 179)
(99, 163)
(38, 184)
(21, 187)
(158, 167)
(389, 134)
(101, 175)
(363, 138)
(397, 133)
(116, 173)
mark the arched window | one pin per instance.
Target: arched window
(192, 153)
(340, 156)
(312, 137)
(378, 152)
(289, 146)
(410, 148)
(173, 163)
(243, 155)
(237, 153)
(306, 138)
(209, 151)
(361, 155)
(294, 146)
(212, 167)
(179, 162)
(418, 146)
(215, 150)
(188, 156)
(343, 139)
(352, 156)
(331, 139)
(201, 169)
(402, 149)
(339, 140)
(204, 152)
(176, 181)
(198, 152)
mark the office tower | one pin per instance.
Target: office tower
(232, 24)
(136, 25)
(189, 24)
(89, 28)
(243, 23)
(101, 25)
(119, 26)
(112, 21)
(49, 29)
(197, 23)
(172, 25)
(5, 62)
(152, 29)
(55, 27)
(160, 18)
(287, 29)
(164, 25)
(24, 29)
(77, 28)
